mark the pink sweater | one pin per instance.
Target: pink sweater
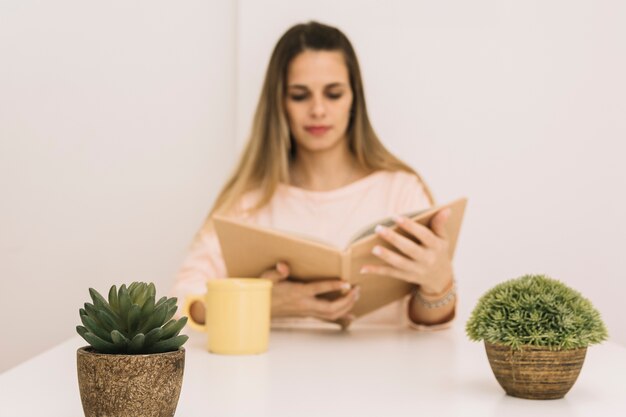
(330, 216)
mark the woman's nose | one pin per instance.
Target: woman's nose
(318, 107)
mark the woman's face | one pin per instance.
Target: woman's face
(318, 100)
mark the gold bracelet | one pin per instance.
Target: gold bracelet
(440, 301)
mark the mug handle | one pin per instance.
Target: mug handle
(189, 300)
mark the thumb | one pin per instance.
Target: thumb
(438, 223)
(278, 273)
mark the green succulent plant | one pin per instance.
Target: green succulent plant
(131, 321)
(536, 310)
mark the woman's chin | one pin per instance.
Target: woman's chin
(319, 144)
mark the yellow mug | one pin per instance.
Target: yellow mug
(237, 315)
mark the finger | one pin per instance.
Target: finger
(419, 231)
(326, 309)
(394, 259)
(328, 285)
(345, 310)
(405, 245)
(340, 315)
(438, 223)
(279, 273)
(282, 268)
(347, 303)
(332, 310)
(345, 321)
(389, 271)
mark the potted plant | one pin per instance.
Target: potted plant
(536, 331)
(134, 364)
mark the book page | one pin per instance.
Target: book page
(387, 222)
(424, 217)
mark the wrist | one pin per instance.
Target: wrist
(433, 292)
(436, 300)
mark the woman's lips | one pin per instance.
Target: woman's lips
(317, 130)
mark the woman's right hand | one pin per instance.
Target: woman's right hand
(297, 299)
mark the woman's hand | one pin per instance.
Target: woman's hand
(296, 299)
(426, 263)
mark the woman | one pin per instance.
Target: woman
(314, 165)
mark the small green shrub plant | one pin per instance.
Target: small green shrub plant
(536, 310)
(131, 321)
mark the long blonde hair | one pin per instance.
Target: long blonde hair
(270, 148)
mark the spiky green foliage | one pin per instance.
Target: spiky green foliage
(131, 321)
(536, 310)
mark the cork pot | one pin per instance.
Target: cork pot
(129, 385)
(535, 372)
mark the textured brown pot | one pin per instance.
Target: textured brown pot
(129, 385)
(535, 372)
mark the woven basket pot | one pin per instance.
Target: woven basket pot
(535, 372)
(129, 385)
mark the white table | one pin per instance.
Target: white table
(318, 372)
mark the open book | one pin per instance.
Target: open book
(250, 250)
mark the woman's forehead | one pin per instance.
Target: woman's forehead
(317, 68)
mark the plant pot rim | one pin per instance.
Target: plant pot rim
(89, 350)
(533, 347)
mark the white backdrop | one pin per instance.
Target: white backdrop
(118, 123)
(116, 129)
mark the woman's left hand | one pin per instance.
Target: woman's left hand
(426, 263)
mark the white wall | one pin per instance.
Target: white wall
(118, 122)
(116, 129)
(517, 105)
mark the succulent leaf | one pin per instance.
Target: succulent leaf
(81, 330)
(173, 327)
(132, 290)
(91, 311)
(108, 322)
(137, 344)
(148, 308)
(141, 295)
(133, 318)
(161, 301)
(124, 300)
(99, 344)
(113, 302)
(151, 290)
(119, 339)
(102, 305)
(155, 320)
(168, 344)
(130, 321)
(94, 328)
(170, 313)
(153, 336)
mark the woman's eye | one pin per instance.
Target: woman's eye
(302, 97)
(298, 97)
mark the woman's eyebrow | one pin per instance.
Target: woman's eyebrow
(333, 85)
(297, 86)
(304, 87)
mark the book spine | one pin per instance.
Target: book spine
(346, 258)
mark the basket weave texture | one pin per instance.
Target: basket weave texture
(535, 372)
